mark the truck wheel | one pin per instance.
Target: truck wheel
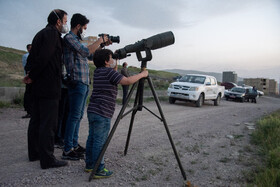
(199, 102)
(217, 100)
(172, 100)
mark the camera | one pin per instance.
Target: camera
(113, 39)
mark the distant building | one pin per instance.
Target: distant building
(229, 76)
(273, 87)
(89, 40)
(268, 86)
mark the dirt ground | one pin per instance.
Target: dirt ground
(212, 142)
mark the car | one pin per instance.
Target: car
(228, 85)
(241, 94)
(196, 88)
(260, 93)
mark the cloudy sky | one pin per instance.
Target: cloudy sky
(210, 35)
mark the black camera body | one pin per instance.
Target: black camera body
(113, 39)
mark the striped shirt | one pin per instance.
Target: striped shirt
(74, 50)
(104, 93)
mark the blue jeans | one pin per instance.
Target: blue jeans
(77, 102)
(99, 128)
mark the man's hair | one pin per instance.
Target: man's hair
(55, 15)
(100, 56)
(27, 46)
(78, 19)
(124, 64)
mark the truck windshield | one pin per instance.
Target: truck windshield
(193, 79)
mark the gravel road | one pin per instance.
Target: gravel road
(212, 142)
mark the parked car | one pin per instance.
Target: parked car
(228, 85)
(196, 88)
(241, 94)
(260, 93)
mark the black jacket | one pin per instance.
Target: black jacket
(44, 63)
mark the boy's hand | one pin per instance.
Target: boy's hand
(145, 73)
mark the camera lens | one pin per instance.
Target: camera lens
(115, 39)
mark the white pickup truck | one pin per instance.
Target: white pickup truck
(196, 88)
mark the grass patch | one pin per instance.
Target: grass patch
(16, 102)
(4, 104)
(267, 137)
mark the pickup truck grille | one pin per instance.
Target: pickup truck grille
(179, 87)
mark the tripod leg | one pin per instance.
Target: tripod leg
(132, 119)
(166, 128)
(111, 133)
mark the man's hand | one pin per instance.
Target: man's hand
(105, 40)
(27, 79)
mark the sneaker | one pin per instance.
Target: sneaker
(70, 155)
(79, 149)
(88, 170)
(104, 173)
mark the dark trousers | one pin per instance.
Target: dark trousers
(41, 131)
(62, 115)
(27, 100)
(125, 90)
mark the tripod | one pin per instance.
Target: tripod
(138, 106)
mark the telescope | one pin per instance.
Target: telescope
(151, 43)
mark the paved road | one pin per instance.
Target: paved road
(212, 142)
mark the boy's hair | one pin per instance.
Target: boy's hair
(55, 15)
(78, 19)
(100, 56)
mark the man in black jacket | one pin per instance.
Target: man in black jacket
(44, 66)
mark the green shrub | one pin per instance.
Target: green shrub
(267, 138)
(273, 159)
(267, 133)
(4, 104)
(269, 178)
(18, 100)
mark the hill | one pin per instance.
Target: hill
(219, 76)
(12, 73)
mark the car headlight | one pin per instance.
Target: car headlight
(170, 86)
(193, 88)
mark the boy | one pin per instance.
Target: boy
(102, 106)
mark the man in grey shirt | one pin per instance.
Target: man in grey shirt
(125, 73)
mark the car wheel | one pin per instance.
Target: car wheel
(200, 100)
(242, 100)
(217, 100)
(172, 100)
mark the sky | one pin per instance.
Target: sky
(210, 35)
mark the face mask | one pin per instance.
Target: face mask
(81, 34)
(64, 29)
(113, 65)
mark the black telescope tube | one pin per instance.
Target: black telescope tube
(153, 42)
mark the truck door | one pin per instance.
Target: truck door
(208, 89)
(214, 88)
